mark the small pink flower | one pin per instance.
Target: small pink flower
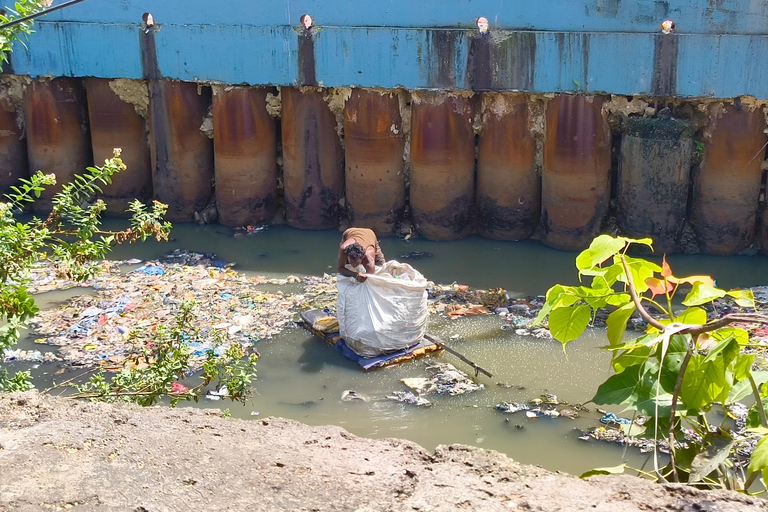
(178, 387)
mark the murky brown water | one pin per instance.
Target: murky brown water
(302, 378)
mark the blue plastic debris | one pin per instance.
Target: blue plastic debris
(612, 418)
(150, 270)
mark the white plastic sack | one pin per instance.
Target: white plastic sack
(384, 313)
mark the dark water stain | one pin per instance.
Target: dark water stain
(661, 8)
(585, 61)
(572, 238)
(312, 165)
(607, 8)
(393, 217)
(457, 218)
(479, 76)
(441, 55)
(516, 61)
(150, 70)
(664, 81)
(307, 75)
(504, 222)
(316, 198)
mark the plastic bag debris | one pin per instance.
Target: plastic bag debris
(444, 378)
(407, 397)
(612, 418)
(217, 394)
(351, 395)
(110, 328)
(511, 407)
(33, 356)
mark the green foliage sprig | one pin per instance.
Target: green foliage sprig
(70, 236)
(166, 360)
(680, 368)
(19, 32)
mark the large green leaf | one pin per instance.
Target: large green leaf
(743, 387)
(759, 460)
(646, 340)
(743, 366)
(617, 323)
(692, 316)
(601, 248)
(744, 298)
(702, 294)
(618, 389)
(630, 357)
(619, 299)
(568, 323)
(740, 335)
(640, 270)
(607, 277)
(753, 418)
(703, 383)
(670, 368)
(637, 388)
(614, 470)
(718, 447)
(650, 398)
(728, 347)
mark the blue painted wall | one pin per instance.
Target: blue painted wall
(718, 50)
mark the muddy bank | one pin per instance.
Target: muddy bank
(57, 454)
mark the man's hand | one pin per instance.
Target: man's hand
(360, 276)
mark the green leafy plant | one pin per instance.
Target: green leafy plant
(698, 151)
(161, 363)
(70, 237)
(19, 32)
(687, 362)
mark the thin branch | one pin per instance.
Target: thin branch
(753, 318)
(758, 400)
(638, 304)
(673, 410)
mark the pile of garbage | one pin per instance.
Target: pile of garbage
(112, 327)
(544, 406)
(444, 378)
(34, 356)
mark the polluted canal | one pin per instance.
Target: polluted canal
(302, 378)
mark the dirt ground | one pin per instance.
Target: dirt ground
(58, 454)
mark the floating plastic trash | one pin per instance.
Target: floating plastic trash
(511, 408)
(407, 397)
(150, 270)
(612, 418)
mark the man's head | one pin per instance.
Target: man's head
(355, 254)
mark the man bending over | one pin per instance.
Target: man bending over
(359, 246)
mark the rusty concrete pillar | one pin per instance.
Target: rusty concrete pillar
(373, 143)
(508, 186)
(13, 147)
(116, 124)
(245, 156)
(313, 162)
(654, 177)
(576, 178)
(727, 187)
(442, 165)
(182, 156)
(57, 133)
